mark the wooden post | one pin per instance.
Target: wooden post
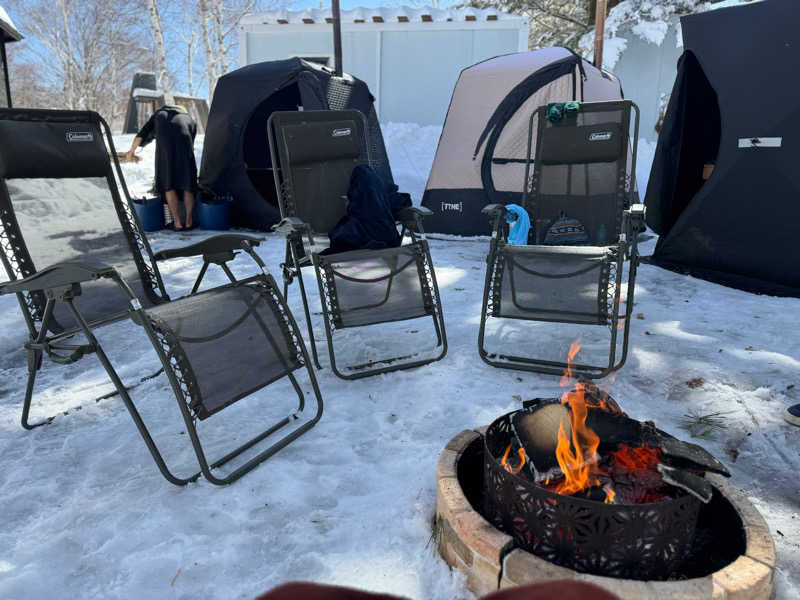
(337, 38)
(6, 101)
(599, 32)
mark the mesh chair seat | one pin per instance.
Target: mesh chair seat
(553, 283)
(376, 286)
(227, 321)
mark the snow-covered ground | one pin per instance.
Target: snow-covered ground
(84, 512)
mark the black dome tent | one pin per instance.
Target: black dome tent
(734, 106)
(236, 158)
(481, 154)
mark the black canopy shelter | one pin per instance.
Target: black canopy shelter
(236, 157)
(734, 106)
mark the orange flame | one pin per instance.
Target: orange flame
(577, 454)
(566, 379)
(508, 466)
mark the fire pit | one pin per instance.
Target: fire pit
(731, 553)
(593, 490)
(636, 541)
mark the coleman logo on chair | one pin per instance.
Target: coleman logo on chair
(79, 136)
(600, 136)
(345, 131)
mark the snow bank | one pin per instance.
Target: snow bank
(411, 149)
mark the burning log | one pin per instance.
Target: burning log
(588, 442)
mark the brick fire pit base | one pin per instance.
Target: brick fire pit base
(491, 561)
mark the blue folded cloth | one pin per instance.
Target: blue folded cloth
(521, 224)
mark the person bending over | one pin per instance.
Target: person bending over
(176, 170)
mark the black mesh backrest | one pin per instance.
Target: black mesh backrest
(581, 170)
(572, 145)
(60, 201)
(339, 97)
(52, 150)
(314, 154)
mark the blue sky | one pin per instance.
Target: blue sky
(179, 76)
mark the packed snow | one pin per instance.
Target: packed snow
(86, 514)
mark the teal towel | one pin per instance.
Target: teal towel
(521, 224)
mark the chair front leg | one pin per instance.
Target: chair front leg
(126, 399)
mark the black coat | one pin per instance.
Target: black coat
(174, 132)
(371, 209)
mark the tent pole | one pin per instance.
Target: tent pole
(337, 38)
(599, 32)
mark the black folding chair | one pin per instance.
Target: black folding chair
(313, 156)
(81, 264)
(579, 184)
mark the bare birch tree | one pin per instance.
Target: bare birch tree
(220, 21)
(77, 55)
(161, 54)
(207, 35)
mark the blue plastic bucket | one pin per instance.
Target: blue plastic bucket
(150, 212)
(214, 215)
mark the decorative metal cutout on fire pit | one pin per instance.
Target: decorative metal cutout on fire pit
(634, 541)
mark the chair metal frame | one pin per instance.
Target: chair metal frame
(39, 290)
(632, 222)
(297, 258)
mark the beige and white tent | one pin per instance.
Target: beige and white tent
(480, 158)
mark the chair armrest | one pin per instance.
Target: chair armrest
(493, 209)
(291, 225)
(410, 218)
(58, 275)
(219, 244)
(636, 218)
(411, 212)
(410, 215)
